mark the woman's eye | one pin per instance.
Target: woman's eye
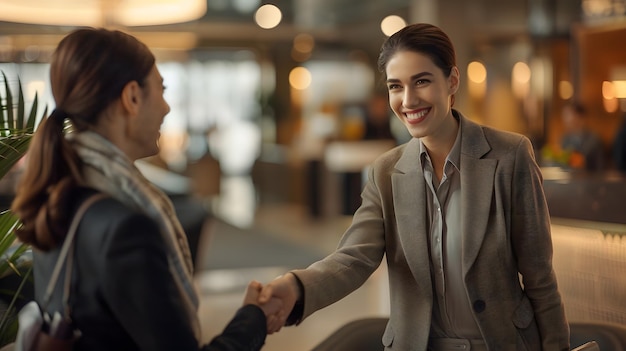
(393, 86)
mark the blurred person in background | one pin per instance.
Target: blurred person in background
(619, 146)
(581, 143)
(459, 213)
(377, 122)
(132, 287)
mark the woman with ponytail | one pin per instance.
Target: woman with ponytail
(132, 286)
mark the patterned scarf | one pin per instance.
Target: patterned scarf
(109, 170)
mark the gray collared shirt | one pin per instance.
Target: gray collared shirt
(452, 313)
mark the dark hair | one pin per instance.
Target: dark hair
(89, 69)
(423, 38)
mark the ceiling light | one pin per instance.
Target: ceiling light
(101, 12)
(300, 78)
(476, 72)
(392, 24)
(268, 16)
(304, 43)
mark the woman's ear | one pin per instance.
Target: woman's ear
(454, 80)
(131, 98)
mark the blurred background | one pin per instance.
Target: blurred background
(277, 108)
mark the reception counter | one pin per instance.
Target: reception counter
(588, 212)
(597, 197)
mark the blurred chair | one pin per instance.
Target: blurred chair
(608, 336)
(365, 335)
(358, 335)
(590, 346)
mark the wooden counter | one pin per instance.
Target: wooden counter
(598, 197)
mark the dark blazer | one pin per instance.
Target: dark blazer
(123, 294)
(506, 238)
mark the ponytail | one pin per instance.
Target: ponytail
(52, 170)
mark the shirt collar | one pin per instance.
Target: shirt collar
(454, 156)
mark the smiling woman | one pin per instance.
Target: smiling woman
(129, 244)
(459, 214)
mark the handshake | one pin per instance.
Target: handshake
(277, 299)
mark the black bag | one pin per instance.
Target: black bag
(38, 331)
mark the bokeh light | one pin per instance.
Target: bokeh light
(268, 16)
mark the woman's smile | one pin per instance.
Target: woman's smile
(416, 116)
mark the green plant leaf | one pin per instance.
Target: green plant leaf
(12, 149)
(32, 116)
(3, 112)
(19, 122)
(8, 322)
(8, 224)
(16, 131)
(8, 106)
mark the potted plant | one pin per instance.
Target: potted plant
(17, 126)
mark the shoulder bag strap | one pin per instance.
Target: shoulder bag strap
(68, 244)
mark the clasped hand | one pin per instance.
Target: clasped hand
(277, 299)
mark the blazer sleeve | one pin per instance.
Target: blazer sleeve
(358, 255)
(532, 244)
(246, 331)
(142, 293)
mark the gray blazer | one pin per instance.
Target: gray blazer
(506, 239)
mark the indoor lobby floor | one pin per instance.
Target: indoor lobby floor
(291, 224)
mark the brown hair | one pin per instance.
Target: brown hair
(424, 38)
(88, 72)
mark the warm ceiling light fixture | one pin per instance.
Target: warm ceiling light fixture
(391, 24)
(268, 16)
(101, 12)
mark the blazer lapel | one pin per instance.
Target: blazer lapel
(409, 205)
(477, 177)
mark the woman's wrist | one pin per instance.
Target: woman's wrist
(297, 286)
